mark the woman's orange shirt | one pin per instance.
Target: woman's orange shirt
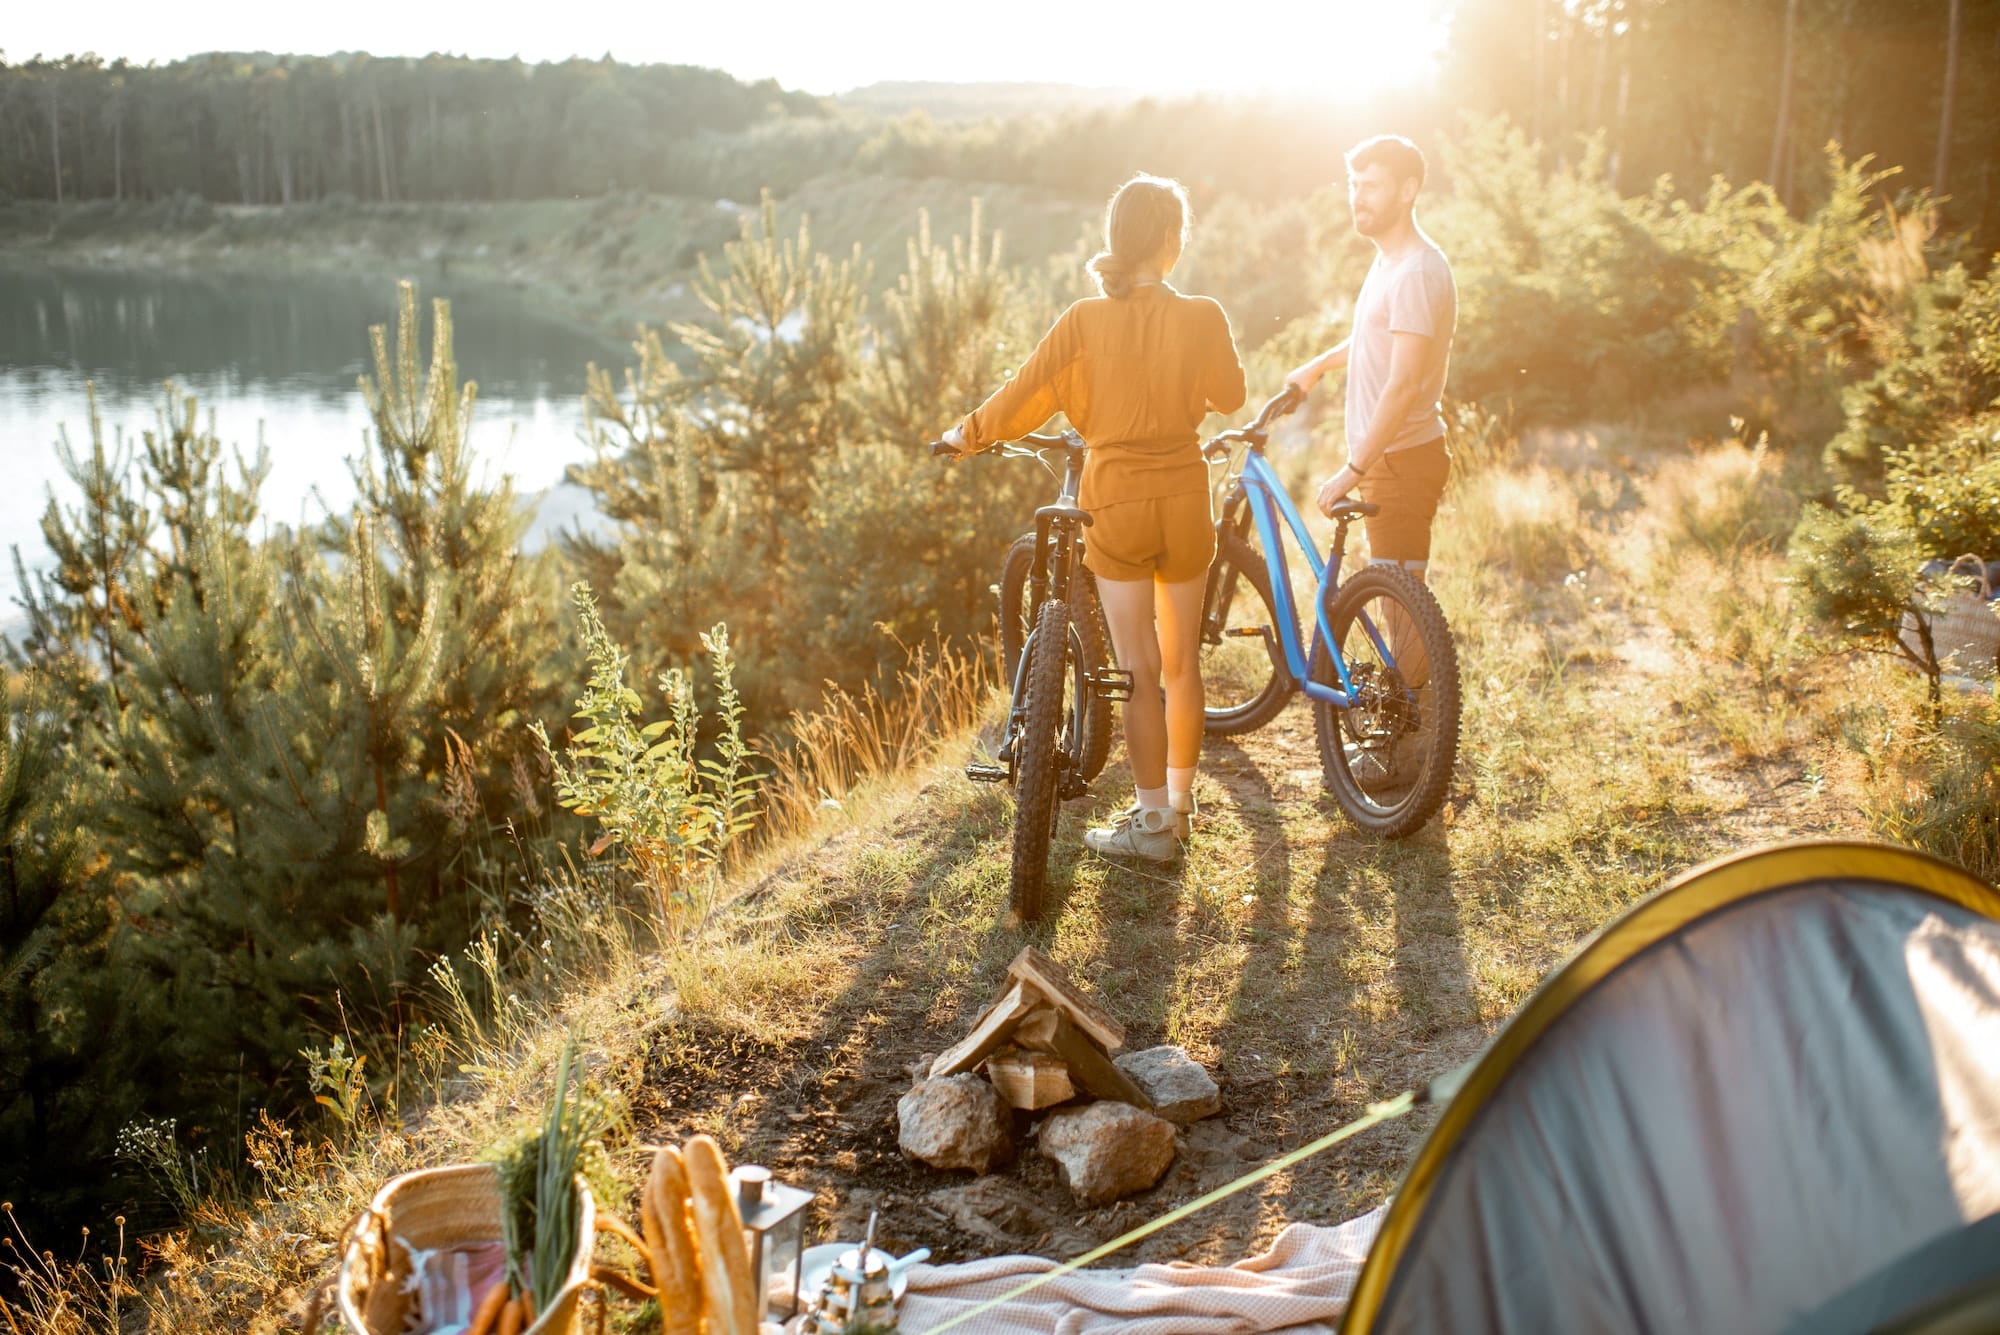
(1135, 375)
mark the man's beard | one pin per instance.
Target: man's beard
(1375, 224)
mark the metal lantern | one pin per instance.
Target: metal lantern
(774, 1224)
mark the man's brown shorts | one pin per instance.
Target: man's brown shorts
(1168, 538)
(1407, 484)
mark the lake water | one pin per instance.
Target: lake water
(272, 355)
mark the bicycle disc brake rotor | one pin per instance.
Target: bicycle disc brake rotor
(1382, 710)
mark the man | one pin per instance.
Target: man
(1395, 357)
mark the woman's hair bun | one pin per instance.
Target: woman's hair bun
(1144, 212)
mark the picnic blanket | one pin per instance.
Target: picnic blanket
(1301, 1284)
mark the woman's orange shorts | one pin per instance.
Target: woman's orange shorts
(1166, 538)
(1407, 484)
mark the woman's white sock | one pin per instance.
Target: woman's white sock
(1180, 783)
(1152, 797)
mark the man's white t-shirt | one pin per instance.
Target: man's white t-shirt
(1411, 294)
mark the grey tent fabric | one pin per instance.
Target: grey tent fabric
(1749, 1124)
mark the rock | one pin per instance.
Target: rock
(956, 1122)
(1108, 1150)
(1180, 1089)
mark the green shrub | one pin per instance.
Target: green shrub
(1948, 495)
(1944, 369)
(671, 810)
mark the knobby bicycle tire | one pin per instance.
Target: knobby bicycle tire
(1038, 779)
(1239, 572)
(1421, 799)
(1086, 617)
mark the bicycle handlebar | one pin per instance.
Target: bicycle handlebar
(1255, 433)
(1283, 403)
(1007, 449)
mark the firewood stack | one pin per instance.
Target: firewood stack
(1044, 1045)
(1043, 1040)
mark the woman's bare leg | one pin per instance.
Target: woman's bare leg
(1129, 611)
(1179, 637)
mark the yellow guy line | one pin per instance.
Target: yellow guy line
(1377, 1113)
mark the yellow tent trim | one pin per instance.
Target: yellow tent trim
(1707, 889)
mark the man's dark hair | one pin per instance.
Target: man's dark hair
(1398, 155)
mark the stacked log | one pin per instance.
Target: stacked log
(1042, 1046)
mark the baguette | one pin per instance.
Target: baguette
(663, 1215)
(733, 1302)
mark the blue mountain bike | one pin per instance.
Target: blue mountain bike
(1381, 670)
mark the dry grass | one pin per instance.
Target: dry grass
(854, 739)
(1637, 698)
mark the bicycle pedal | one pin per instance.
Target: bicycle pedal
(1250, 632)
(986, 773)
(1110, 684)
(1073, 786)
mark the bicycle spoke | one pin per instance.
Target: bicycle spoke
(1387, 757)
(1388, 732)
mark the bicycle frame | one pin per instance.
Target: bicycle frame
(1058, 527)
(1259, 487)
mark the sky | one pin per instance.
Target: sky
(1321, 48)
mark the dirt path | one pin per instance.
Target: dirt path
(1310, 968)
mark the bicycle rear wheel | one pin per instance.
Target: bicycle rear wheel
(1038, 755)
(1243, 674)
(1387, 759)
(1086, 617)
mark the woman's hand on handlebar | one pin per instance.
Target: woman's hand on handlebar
(950, 446)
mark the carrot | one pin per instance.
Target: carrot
(527, 1308)
(488, 1314)
(510, 1319)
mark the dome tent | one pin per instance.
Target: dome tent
(1765, 1099)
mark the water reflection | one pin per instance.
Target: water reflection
(275, 356)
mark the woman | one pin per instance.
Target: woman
(1135, 371)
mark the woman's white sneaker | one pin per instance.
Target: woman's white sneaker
(1137, 832)
(1183, 808)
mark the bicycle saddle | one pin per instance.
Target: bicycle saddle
(1348, 509)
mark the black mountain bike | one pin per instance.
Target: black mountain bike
(1053, 646)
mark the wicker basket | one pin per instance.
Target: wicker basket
(1965, 624)
(442, 1207)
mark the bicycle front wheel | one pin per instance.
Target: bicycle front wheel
(1038, 756)
(1243, 674)
(1086, 614)
(1387, 758)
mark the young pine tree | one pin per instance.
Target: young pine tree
(709, 476)
(429, 630)
(52, 917)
